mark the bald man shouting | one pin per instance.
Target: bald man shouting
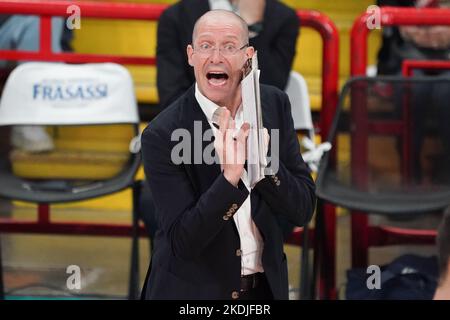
(218, 237)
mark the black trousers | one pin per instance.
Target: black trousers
(260, 292)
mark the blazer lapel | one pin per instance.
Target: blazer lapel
(194, 120)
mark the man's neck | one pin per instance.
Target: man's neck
(234, 110)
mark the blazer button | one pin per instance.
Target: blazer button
(278, 183)
(235, 295)
(238, 252)
(234, 206)
(225, 217)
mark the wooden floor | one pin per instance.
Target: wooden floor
(36, 265)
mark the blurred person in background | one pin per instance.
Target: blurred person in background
(421, 43)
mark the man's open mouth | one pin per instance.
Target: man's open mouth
(217, 78)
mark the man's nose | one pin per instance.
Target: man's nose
(216, 56)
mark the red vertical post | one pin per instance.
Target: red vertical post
(359, 139)
(43, 213)
(330, 78)
(45, 35)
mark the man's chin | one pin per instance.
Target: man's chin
(218, 94)
(218, 99)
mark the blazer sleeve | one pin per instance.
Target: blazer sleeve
(189, 221)
(276, 49)
(291, 190)
(172, 77)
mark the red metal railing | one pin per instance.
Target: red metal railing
(390, 16)
(408, 66)
(363, 235)
(330, 63)
(48, 8)
(103, 10)
(324, 247)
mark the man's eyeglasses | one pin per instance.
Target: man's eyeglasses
(225, 50)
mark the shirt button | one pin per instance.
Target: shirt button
(238, 252)
(225, 217)
(235, 295)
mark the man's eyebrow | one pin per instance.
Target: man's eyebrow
(204, 36)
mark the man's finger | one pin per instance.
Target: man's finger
(241, 137)
(224, 119)
(243, 132)
(229, 133)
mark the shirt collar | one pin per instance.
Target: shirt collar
(208, 107)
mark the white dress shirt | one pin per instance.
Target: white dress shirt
(251, 240)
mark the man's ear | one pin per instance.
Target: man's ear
(250, 51)
(190, 52)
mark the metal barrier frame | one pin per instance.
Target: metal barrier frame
(408, 66)
(363, 235)
(45, 9)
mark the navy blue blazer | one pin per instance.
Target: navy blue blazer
(196, 253)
